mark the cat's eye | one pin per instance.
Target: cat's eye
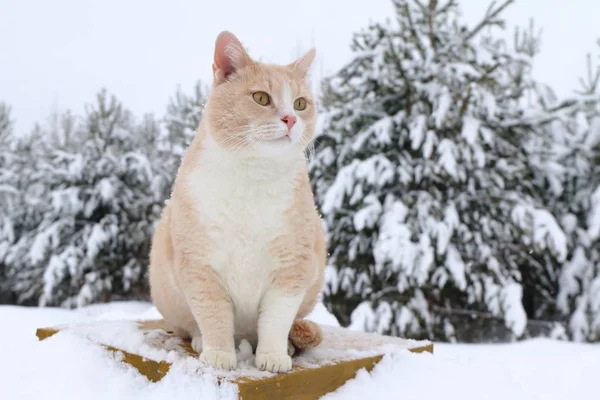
(262, 98)
(300, 104)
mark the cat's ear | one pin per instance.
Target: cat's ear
(230, 56)
(303, 64)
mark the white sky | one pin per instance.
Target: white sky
(57, 54)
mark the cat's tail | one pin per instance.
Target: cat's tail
(304, 335)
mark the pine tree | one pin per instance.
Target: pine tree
(541, 146)
(9, 194)
(94, 197)
(183, 117)
(7, 160)
(419, 169)
(577, 203)
(7, 189)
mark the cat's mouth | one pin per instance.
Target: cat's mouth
(286, 138)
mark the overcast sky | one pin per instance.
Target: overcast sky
(57, 54)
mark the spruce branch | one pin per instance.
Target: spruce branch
(403, 75)
(589, 84)
(488, 18)
(6, 122)
(527, 41)
(413, 30)
(443, 9)
(465, 103)
(430, 17)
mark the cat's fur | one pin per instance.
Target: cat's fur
(239, 251)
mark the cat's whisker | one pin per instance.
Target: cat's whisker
(311, 148)
(267, 127)
(235, 144)
(239, 146)
(262, 133)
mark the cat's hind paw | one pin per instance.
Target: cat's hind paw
(273, 362)
(226, 360)
(291, 348)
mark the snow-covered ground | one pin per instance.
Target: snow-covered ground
(66, 367)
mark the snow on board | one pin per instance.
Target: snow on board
(153, 351)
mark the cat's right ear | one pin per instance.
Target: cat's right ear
(230, 56)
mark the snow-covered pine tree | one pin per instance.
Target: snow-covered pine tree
(538, 270)
(575, 154)
(6, 122)
(7, 187)
(95, 196)
(9, 194)
(183, 116)
(418, 169)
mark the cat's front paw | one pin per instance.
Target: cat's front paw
(273, 362)
(197, 344)
(219, 359)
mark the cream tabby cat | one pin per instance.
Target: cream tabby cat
(239, 251)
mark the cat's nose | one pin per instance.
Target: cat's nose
(289, 120)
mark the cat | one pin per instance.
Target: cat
(239, 250)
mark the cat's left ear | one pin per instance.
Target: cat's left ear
(303, 64)
(230, 56)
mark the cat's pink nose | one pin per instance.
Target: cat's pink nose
(289, 120)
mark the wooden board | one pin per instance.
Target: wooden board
(152, 350)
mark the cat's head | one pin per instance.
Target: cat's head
(259, 108)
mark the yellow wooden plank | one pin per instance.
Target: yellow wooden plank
(43, 333)
(302, 383)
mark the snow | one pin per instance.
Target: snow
(546, 229)
(571, 275)
(417, 131)
(547, 233)
(470, 129)
(538, 369)
(443, 105)
(368, 215)
(456, 266)
(67, 366)
(447, 160)
(514, 314)
(594, 218)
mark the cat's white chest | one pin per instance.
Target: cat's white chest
(242, 211)
(241, 219)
